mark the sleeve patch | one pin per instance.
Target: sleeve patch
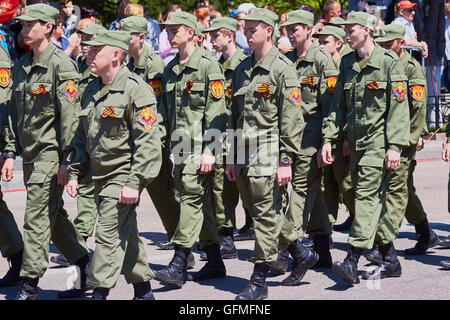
(156, 85)
(70, 91)
(417, 92)
(146, 118)
(331, 83)
(4, 77)
(295, 97)
(399, 91)
(216, 89)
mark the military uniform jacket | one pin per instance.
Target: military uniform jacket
(372, 103)
(193, 103)
(5, 93)
(417, 97)
(229, 67)
(266, 105)
(44, 106)
(317, 75)
(150, 68)
(117, 137)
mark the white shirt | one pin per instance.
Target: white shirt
(410, 32)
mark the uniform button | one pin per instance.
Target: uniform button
(113, 138)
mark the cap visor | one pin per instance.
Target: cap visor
(24, 17)
(93, 43)
(384, 39)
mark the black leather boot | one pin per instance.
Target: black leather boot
(28, 289)
(427, 239)
(100, 293)
(374, 256)
(281, 265)
(390, 268)
(444, 242)
(348, 270)
(214, 268)
(227, 247)
(257, 286)
(246, 232)
(60, 260)
(173, 274)
(83, 265)
(12, 277)
(346, 226)
(304, 259)
(190, 262)
(143, 291)
(322, 248)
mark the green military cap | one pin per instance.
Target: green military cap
(335, 21)
(39, 11)
(391, 32)
(199, 29)
(181, 17)
(362, 18)
(223, 23)
(116, 38)
(337, 32)
(92, 29)
(134, 24)
(299, 16)
(263, 15)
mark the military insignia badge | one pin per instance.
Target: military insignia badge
(189, 86)
(373, 85)
(331, 83)
(264, 89)
(399, 91)
(39, 90)
(108, 112)
(228, 92)
(295, 97)
(4, 77)
(308, 80)
(156, 85)
(216, 89)
(146, 118)
(70, 91)
(417, 92)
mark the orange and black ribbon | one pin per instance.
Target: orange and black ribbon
(373, 85)
(108, 112)
(309, 80)
(264, 89)
(189, 86)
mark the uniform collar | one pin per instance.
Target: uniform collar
(141, 64)
(192, 63)
(235, 60)
(118, 83)
(266, 62)
(44, 60)
(374, 59)
(311, 53)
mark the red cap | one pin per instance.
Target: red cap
(7, 9)
(406, 5)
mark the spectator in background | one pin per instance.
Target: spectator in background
(284, 45)
(87, 12)
(8, 10)
(201, 4)
(214, 13)
(60, 41)
(405, 18)
(69, 17)
(241, 41)
(308, 8)
(137, 10)
(331, 9)
(121, 5)
(166, 52)
(202, 15)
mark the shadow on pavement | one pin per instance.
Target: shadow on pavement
(429, 259)
(154, 237)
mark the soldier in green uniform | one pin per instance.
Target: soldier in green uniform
(11, 243)
(374, 115)
(226, 195)
(192, 108)
(43, 113)
(336, 177)
(118, 141)
(268, 125)
(317, 74)
(149, 66)
(397, 199)
(446, 157)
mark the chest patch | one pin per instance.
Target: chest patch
(70, 91)
(295, 97)
(146, 118)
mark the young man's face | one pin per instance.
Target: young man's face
(100, 58)
(355, 35)
(219, 41)
(335, 11)
(256, 33)
(329, 43)
(67, 9)
(395, 45)
(35, 31)
(85, 48)
(135, 41)
(178, 35)
(298, 33)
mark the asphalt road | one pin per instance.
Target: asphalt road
(422, 276)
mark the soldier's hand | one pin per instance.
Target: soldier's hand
(420, 144)
(284, 174)
(7, 169)
(128, 196)
(327, 158)
(207, 163)
(230, 171)
(63, 175)
(346, 148)
(72, 188)
(446, 152)
(392, 159)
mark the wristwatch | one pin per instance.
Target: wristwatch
(286, 160)
(9, 155)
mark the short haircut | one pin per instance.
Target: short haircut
(134, 9)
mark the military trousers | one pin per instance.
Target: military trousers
(307, 208)
(45, 220)
(162, 192)
(370, 180)
(262, 195)
(87, 209)
(118, 247)
(337, 181)
(197, 214)
(226, 199)
(415, 213)
(10, 238)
